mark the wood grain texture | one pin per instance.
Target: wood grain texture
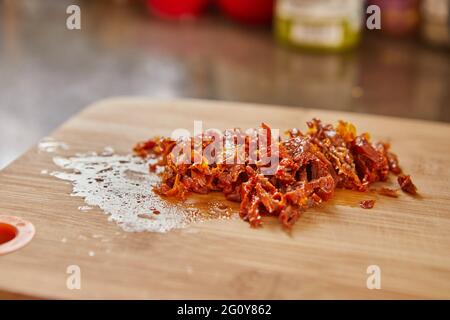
(325, 256)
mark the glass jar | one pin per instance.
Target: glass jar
(319, 25)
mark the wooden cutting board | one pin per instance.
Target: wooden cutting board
(325, 256)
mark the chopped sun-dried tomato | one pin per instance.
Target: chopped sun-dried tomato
(310, 167)
(406, 184)
(367, 204)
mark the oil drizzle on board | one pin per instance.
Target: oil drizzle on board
(121, 185)
(49, 145)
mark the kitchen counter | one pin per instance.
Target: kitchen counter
(48, 73)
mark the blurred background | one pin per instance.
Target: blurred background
(309, 53)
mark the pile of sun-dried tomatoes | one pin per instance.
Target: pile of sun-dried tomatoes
(309, 167)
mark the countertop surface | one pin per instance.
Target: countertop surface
(49, 73)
